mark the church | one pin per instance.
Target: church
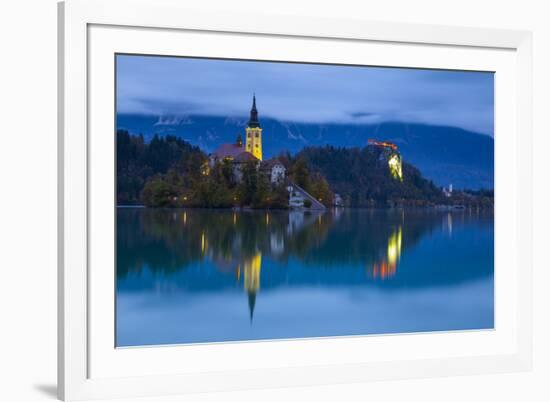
(252, 151)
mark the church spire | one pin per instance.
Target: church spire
(254, 132)
(253, 121)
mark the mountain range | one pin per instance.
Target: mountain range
(446, 155)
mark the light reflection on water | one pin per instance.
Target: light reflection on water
(188, 276)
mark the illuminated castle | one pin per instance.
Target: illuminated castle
(388, 152)
(254, 132)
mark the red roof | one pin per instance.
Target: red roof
(228, 151)
(245, 157)
(235, 152)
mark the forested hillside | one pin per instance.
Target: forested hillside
(362, 179)
(138, 161)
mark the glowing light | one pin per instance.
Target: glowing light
(385, 144)
(383, 270)
(205, 169)
(396, 170)
(185, 218)
(203, 243)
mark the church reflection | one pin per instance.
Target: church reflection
(251, 280)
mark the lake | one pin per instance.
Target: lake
(188, 276)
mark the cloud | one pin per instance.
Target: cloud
(170, 86)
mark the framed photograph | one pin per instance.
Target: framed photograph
(251, 201)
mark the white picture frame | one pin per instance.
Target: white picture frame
(90, 367)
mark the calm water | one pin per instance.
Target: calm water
(187, 276)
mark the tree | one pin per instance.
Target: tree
(263, 188)
(321, 190)
(300, 173)
(278, 198)
(227, 173)
(249, 184)
(157, 192)
(138, 161)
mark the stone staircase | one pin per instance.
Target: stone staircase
(315, 204)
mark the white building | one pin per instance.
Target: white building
(275, 170)
(278, 172)
(448, 192)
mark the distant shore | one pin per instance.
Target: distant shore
(441, 208)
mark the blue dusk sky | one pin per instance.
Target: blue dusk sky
(312, 93)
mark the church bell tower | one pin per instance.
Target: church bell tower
(254, 132)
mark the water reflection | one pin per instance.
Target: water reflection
(386, 267)
(193, 254)
(252, 268)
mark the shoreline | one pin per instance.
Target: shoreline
(437, 208)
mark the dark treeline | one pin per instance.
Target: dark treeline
(169, 172)
(138, 162)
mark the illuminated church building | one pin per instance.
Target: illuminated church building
(252, 151)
